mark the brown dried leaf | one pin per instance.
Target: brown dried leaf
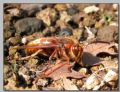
(99, 47)
(92, 50)
(63, 71)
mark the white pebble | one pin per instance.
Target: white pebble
(91, 9)
(91, 82)
(111, 76)
(113, 24)
(83, 70)
(24, 40)
(115, 6)
(14, 12)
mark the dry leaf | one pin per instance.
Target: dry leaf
(93, 49)
(98, 47)
(63, 71)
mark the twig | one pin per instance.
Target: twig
(34, 54)
(90, 34)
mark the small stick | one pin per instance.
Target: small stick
(34, 54)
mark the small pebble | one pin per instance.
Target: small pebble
(7, 34)
(24, 40)
(115, 6)
(5, 82)
(65, 17)
(77, 33)
(65, 32)
(91, 82)
(94, 68)
(12, 51)
(32, 63)
(83, 71)
(73, 24)
(42, 82)
(74, 81)
(61, 7)
(47, 15)
(72, 11)
(107, 33)
(111, 76)
(14, 11)
(31, 9)
(91, 9)
(79, 83)
(13, 40)
(32, 74)
(27, 26)
(113, 24)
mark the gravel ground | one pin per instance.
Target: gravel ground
(86, 23)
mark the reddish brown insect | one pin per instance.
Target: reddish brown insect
(62, 48)
(59, 47)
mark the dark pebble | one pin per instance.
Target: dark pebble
(32, 74)
(21, 81)
(28, 26)
(72, 11)
(31, 9)
(5, 82)
(65, 32)
(7, 34)
(22, 52)
(84, 36)
(73, 24)
(20, 63)
(107, 33)
(6, 45)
